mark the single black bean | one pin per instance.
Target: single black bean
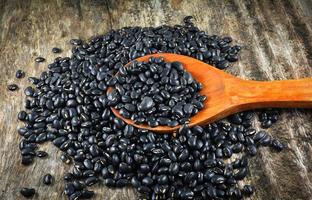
(248, 189)
(22, 116)
(91, 181)
(12, 87)
(39, 59)
(218, 179)
(29, 91)
(28, 192)
(56, 50)
(252, 150)
(41, 154)
(27, 160)
(19, 74)
(47, 179)
(277, 145)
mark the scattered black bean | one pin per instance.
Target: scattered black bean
(47, 179)
(56, 50)
(248, 190)
(12, 87)
(28, 192)
(39, 59)
(41, 154)
(19, 74)
(27, 160)
(277, 145)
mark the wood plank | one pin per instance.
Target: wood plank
(276, 40)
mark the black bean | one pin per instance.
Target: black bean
(188, 108)
(41, 138)
(39, 59)
(28, 192)
(135, 182)
(147, 181)
(237, 148)
(56, 50)
(146, 104)
(75, 41)
(19, 74)
(122, 182)
(172, 156)
(22, 115)
(41, 154)
(12, 87)
(28, 151)
(192, 141)
(162, 179)
(78, 185)
(266, 124)
(109, 182)
(227, 152)
(124, 168)
(88, 164)
(144, 168)
(59, 141)
(33, 80)
(248, 189)
(184, 155)
(47, 179)
(217, 179)
(222, 64)
(258, 136)
(91, 181)
(265, 140)
(69, 189)
(27, 160)
(174, 168)
(252, 150)
(277, 145)
(75, 195)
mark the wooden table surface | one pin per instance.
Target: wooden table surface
(276, 36)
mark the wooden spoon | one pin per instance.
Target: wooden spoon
(227, 94)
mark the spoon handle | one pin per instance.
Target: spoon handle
(279, 94)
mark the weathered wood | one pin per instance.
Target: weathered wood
(277, 44)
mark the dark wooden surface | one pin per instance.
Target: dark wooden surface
(276, 37)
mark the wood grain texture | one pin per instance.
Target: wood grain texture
(276, 36)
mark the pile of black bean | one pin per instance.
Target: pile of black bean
(155, 92)
(68, 106)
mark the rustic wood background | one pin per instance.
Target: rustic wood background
(276, 36)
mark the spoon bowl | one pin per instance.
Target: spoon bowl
(227, 94)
